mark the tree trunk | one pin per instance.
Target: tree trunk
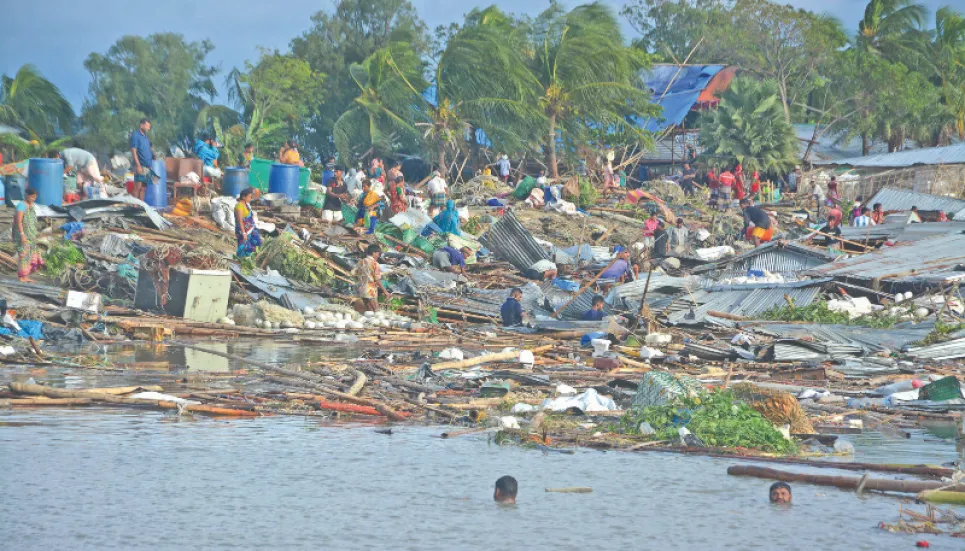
(551, 148)
(865, 145)
(442, 160)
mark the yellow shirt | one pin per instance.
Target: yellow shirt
(291, 157)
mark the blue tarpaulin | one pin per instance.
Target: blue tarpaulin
(680, 97)
(28, 328)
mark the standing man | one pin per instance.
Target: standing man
(726, 181)
(335, 194)
(794, 178)
(143, 158)
(437, 193)
(678, 235)
(504, 167)
(687, 180)
(818, 193)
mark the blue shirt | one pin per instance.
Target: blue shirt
(456, 257)
(207, 153)
(327, 175)
(512, 313)
(141, 144)
(594, 315)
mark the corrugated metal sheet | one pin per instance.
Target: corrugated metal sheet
(510, 241)
(575, 310)
(748, 303)
(798, 350)
(775, 257)
(900, 199)
(869, 339)
(904, 232)
(948, 155)
(948, 350)
(676, 89)
(930, 260)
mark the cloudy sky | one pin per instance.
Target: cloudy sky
(56, 35)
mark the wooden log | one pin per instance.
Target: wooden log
(360, 380)
(496, 357)
(348, 408)
(38, 390)
(845, 482)
(943, 497)
(92, 394)
(43, 401)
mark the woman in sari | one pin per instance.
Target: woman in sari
(245, 231)
(396, 191)
(25, 237)
(368, 207)
(448, 219)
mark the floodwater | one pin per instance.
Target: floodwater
(122, 479)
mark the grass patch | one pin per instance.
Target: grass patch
(941, 333)
(281, 254)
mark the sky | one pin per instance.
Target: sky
(57, 35)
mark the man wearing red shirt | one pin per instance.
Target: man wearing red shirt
(727, 181)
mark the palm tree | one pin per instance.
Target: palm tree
(587, 76)
(481, 81)
(889, 27)
(383, 116)
(30, 101)
(946, 55)
(33, 148)
(749, 127)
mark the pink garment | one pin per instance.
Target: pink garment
(650, 226)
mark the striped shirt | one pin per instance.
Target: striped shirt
(863, 222)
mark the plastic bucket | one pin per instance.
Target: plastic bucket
(47, 177)
(235, 180)
(156, 192)
(284, 179)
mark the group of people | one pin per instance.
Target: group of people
(729, 185)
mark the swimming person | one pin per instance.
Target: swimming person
(505, 493)
(780, 492)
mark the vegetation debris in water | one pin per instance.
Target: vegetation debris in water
(713, 417)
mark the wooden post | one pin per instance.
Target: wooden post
(557, 313)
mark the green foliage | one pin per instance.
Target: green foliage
(715, 418)
(750, 127)
(381, 118)
(355, 30)
(161, 77)
(60, 256)
(586, 74)
(291, 261)
(672, 28)
(30, 101)
(818, 312)
(941, 333)
(588, 193)
(474, 226)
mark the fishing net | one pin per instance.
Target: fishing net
(658, 388)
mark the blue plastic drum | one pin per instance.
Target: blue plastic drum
(47, 177)
(284, 179)
(234, 181)
(156, 192)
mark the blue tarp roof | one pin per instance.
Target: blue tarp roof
(682, 93)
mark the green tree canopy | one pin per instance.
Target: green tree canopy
(349, 35)
(587, 76)
(381, 118)
(749, 127)
(161, 77)
(673, 28)
(30, 101)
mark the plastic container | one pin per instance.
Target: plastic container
(900, 386)
(948, 388)
(284, 179)
(156, 192)
(14, 187)
(313, 197)
(259, 175)
(235, 180)
(47, 177)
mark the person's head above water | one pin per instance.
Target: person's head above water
(505, 490)
(780, 492)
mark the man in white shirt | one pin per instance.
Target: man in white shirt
(437, 193)
(864, 220)
(818, 193)
(504, 167)
(541, 270)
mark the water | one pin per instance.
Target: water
(120, 479)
